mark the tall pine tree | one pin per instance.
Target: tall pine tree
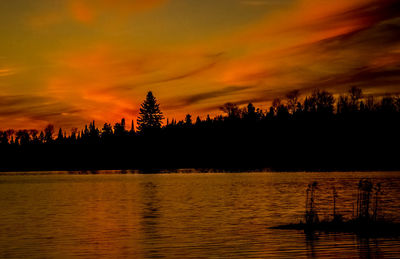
(150, 115)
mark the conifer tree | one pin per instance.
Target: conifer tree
(119, 128)
(150, 115)
(60, 135)
(132, 131)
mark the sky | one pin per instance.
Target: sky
(68, 62)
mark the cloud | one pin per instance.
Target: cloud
(307, 44)
(168, 78)
(340, 45)
(6, 69)
(186, 101)
(6, 72)
(30, 111)
(108, 83)
(327, 49)
(368, 57)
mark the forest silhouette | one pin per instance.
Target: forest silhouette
(318, 132)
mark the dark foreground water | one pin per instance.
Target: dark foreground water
(191, 215)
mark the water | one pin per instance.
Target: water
(191, 215)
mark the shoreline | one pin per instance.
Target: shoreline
(184, 170)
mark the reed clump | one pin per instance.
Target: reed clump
(367, 219)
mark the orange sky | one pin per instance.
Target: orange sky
(68, 62)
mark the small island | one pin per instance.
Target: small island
(366, 222)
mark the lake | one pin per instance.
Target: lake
(183, 215)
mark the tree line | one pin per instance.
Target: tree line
(317, 132)
(319, 105)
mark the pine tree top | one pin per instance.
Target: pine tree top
(150, 115)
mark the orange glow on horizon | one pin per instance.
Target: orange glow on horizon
(72, 62)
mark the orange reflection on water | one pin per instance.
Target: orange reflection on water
(225, 215)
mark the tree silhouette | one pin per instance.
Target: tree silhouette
(275, 105)
(48, 133)
(119, 128)
(60, 135)
(231, 109)
(74, 132)
(94, 133)
(320, 101)
(250, 112)
(343, 104)
(34, 135)
(150, 115)
(41, 137)
(106, 131)
(22, 137)
(198, 121)
(188, 120)
(132, 131)
(304, 130)
(355, 96)
(292, 100)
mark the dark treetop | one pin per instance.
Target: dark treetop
(150, 115)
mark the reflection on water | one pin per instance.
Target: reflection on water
(348, 246)
(181, 215)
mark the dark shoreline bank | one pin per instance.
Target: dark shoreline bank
(184, 170)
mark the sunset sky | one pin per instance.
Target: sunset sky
(68, 62)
